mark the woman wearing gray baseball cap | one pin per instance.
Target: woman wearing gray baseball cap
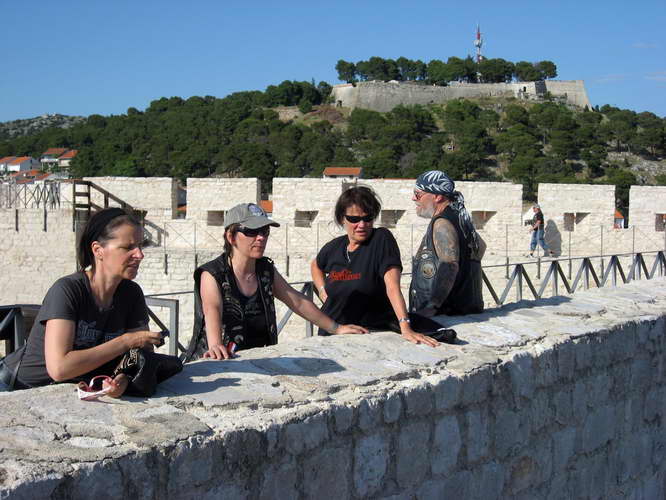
(234, 305)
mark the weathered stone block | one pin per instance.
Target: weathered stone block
(477, 438)
(640, 372)
(412, 457)
(343, 417)
(446, 445)
(455, 486)
(540, 412)
(193, 460)
(563, 405)
(508, 432)
(447, 393)
(521, 371)
(475, 387)
(583, 353)
(327, 473)
(392, 408)
(371, 458)
(566, 359)
(307, 434)
(370, 414)
(279, 481)
(487, 482)
(419, 400)
(580, 398)
(564, 443)
(599, 428)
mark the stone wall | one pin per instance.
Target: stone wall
(206, 195)
(645, 203)
(559, 400)
(155, 195)
(383, 96)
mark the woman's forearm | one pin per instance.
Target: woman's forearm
(394, 294)
(77, 362)
(306, 309)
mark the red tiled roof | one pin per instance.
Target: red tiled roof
(7, 159)
(69, 154)
(20, 159)
(267, 205)
(342, 171)
(54, 151)
(26, 173)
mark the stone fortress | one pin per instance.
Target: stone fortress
(384, 96)
(560, 399)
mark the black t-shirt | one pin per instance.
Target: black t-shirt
(255, 330)
(355, 280)
(538, 217)
(71, 298)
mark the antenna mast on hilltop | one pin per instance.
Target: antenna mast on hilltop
(478, 43)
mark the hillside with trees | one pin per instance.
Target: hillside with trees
(242, 135)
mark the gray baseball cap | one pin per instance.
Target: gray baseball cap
(249, 215)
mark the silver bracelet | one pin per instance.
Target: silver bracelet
(404, 319)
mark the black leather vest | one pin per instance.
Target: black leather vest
(232, 318)
(465, 297)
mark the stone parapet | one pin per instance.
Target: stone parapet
(561, 400)
(208, 199)
(155, 195)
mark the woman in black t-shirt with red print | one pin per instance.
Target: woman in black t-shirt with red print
(357, 276)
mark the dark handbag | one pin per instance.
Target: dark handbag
(145, 369)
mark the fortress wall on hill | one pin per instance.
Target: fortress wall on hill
(384, 96)
(574, 90)
(561, 400)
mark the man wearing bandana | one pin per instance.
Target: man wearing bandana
(446, 270)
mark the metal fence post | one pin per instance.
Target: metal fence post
(569, 254)
(602, 250)
(506, 249)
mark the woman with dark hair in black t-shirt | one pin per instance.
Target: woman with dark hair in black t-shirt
(89, 319)
(357, 276)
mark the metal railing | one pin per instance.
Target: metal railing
(44, 195)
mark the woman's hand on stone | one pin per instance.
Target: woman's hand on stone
(350, 329)
(217, 351)
(418, 338)
(118, 385)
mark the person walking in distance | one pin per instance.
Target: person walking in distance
(538, 232)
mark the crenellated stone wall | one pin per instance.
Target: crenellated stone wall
(565, 399)
(216, 194)
(154, 195)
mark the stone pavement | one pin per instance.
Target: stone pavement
(370, 415)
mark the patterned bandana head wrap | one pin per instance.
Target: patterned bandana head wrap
(437, 182)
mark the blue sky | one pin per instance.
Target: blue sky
(90, 56)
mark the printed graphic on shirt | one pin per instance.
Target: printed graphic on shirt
(344, 275)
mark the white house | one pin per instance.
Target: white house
(4, 163)
(21, 163)
(65, 159)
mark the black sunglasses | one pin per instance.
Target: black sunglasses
(253, 233)
(355, 219)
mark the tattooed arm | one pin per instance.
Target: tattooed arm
(445, 239)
